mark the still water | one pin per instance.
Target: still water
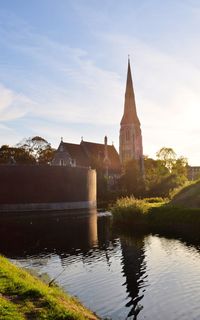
(117, 276)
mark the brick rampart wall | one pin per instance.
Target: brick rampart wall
(46, 184)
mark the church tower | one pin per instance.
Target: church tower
(130, 140)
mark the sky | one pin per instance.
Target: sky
(63, 66)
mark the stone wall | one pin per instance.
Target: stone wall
(25, 188)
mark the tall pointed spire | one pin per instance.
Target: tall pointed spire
(130, 113)
(130, 140)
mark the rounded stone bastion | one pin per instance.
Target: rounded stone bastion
(32, 188)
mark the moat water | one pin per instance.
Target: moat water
(118, 276)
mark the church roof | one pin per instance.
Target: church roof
(97, 150)
(87, 153)
(130, 113)
(77, 152)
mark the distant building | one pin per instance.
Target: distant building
(130, 139)
(102, 157)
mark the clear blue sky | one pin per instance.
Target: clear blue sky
(63, 70)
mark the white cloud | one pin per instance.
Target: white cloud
(77, 90)
(12, 105)
(87, 93)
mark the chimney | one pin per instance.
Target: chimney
(105, 147)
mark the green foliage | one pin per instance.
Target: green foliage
(166, 185)
(23, 296)
(29, 151)
(165, 174)
(37, 147)
(161, 176)
(130, 203)
(130, 212)
(155, 172)
(167, 156)
(12, 155)
(46, 155)
(132, 182)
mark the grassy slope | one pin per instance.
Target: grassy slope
(188, 197)
(23, 296)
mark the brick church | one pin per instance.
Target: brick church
(103, 156)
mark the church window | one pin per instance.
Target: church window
(62, 162)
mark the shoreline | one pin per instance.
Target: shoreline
(24, 296)
(157, 217)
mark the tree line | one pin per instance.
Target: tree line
(161, 175)
(32, 150)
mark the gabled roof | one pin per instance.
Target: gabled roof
(89, 154)
(77, 152)
(97, 150)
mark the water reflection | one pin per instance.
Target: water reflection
(134, 268)
(118, 276)
(31, 235)
(55, 243)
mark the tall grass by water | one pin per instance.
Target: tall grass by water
(129, 212)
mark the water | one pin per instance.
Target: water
(117, 276)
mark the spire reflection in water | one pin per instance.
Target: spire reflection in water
(134, 269)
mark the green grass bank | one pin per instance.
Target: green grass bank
(188, 196)
(155, 214)
(23, 296)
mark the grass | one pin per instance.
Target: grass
(130, 212)
(23, 296)
(188, 197)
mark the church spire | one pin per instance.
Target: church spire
(130, 113)
(130, 139)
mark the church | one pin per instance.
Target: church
(102, 156)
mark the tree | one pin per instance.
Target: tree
(180, 170)
(132, 180)
(165, 173)
(165, 186)
(37, 147)
(46, 156)
(12, 155)
(155, 171)
(167, 156)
